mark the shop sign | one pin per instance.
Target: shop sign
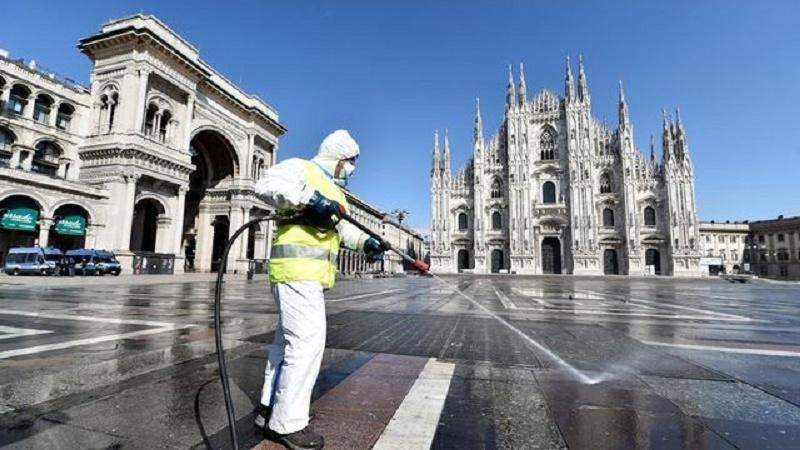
(20, 218)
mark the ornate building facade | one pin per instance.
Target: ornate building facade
(159, 155)
(555, 190)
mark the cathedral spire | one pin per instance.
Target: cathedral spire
(583, 88)
(523, 90)
(680, 135)
(478, 122)
(652, 149)
(624, 116)
(510, 94)
(446, 156)
(436, 157)
(569, 85)
(666, 138)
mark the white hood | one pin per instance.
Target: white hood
(335, 147)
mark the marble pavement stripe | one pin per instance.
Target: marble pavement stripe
(353, 414)
(13, 332)
(419, 411)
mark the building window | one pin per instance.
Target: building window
(18, 98)
(462, 221)
(109, 104)
(734, 255)
(549, 192)
(497, 221)
(710, 253)
(649, 217)
(605, 183)
(497, 188)
(6, 139)
(45, 159)
(780, 237)
(42, 108)
(733, 239)
(760, 238)
(762, 256)
(547, 144)
(746, 256)
(708, 238)
(64, 117)
(722, 255)
(608, 218)
(783, 254)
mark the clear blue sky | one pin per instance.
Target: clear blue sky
(393, 72)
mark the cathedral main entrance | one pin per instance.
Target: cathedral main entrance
(463, 260)
(652, 258)
(497, 261)
(551, 255)
(610, 262)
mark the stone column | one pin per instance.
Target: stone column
(53, 115)
(91, 236)
(177, 221)
(237, 218)
(163, 236)
(140, 112)
(15, 155)
(204, 239)
(187, 123)
(26, 161)
(127, 205)
(44, 231)
(62, 167)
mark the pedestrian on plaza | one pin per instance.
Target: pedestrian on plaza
(302, 268)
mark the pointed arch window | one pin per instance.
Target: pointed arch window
(547, 145)
(462, 221)
(549, 192)
(497, 189)
(649, 217)
(605, 183)
(497, 221)
(608, 218)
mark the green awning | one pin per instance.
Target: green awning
(20, 218)
(74, 225)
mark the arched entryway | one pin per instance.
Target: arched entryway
(551, 255)
(144, 230)
(652, 259)
(216, 165)
(610, 262)
(497, 261)
(68, 231)
(463, 260)
(19, 223)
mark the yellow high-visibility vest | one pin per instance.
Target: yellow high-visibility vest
(305, 253)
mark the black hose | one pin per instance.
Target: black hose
(223, 371)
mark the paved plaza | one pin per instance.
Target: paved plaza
(493, 362)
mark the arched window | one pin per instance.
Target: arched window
(109, 103)
(608, 218)
(41, 108)
(18, 98)
(549, 192)
(497, 188)
(45, 158)
(150, 118)
(497, 221)
(165, 127)
(6, 139)
(64, 116)
(462, 221)
(649, 217)
(547, 144)
(605, 183)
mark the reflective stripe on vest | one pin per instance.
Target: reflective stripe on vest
(304, 253)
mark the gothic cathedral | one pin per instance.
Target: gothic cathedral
(557, 191)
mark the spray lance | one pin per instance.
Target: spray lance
(421, 266)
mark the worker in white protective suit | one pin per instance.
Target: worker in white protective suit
(302, 267)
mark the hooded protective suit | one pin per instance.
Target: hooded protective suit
(298, 284)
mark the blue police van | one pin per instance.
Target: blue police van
(90, 261)
(32, 260)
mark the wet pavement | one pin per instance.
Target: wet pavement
(411, 363)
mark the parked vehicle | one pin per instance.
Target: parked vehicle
(90, 261)
(32, 260)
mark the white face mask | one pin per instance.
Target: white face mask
(347, 169)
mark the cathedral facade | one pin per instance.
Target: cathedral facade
(555, 191)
